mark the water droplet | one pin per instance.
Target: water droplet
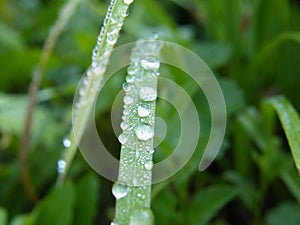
(127, 87)
(124, 125)
(81, 92)
(113, 223)
(151, 151)
(132, 70)
(61, 166)
(150, 64)
(144, 132)
(111, 39)
(143, 112)
(148, 165)
(98, 70)
(126, 112)
(148, 94)
(128, 100)
(141, 216)
(124, 14)
(130, 78)
(137, 154)
(66, 142)
(119, 190)
(123, 138)
(128, 2)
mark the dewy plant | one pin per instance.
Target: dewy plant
(133, 188)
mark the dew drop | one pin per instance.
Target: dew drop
(144, 132)
(119, 190)
(123, 138)
(128, 100)
(126, 112)
(127, 87)
(124, 125)
(130, 79)
(151, 151)
(128, 2)
(150, 64)
(66, 142)
(81, 92)
(111, 39)
(141, 216)
(137, 154)
(148, 165)
(132, 70)
(61, 166)
(148, 94)
(143, 112)
(98, 70)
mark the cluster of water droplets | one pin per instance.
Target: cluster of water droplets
(135, 171)
(111, 27)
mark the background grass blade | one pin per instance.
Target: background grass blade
(290, 122)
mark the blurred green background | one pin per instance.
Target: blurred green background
(252, 46)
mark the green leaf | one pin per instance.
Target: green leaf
(285, 213)
(27, 219)
(292, 181)
(3, 216)
(290, 122)
(214, 54)
(86, 201)
(10, 39)
(270, 48)
(57, 207)
(206, 204)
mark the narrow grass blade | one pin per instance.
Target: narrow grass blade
(108, 37)
(133, 188)
(290, 122)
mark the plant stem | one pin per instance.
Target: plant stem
(109, 34)
(65, 14)
(133, 188)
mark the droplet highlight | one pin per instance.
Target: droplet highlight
(128, 100)
(148, 94)
(150, 64)
(144, 132)
(128, 2)
(123, 138)
(66, 142)
(61, 166)
(143, 112)
(120, 190)
(148, 165)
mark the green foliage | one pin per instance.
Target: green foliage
(252, 47)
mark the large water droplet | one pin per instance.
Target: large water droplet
(61, 166)
(66, 142)
(128, 100)
(148, 94)
(148, 165)
(119, 190)
(143, 112)
(128, 2)
(144, 132)
(123, 138)
(124, 125)
(150, 64)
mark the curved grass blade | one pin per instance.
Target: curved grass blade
(272, 46)
(290, 122)
(108, 37)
